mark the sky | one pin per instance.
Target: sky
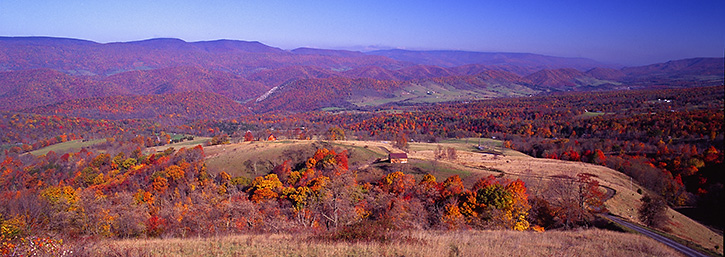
(619, 32)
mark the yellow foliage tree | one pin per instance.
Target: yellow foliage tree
(265, 188)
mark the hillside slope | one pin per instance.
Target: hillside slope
(450, 58)
(539, 174)
(184, 79)
(30, 88)
(34, 88)
(166, 108)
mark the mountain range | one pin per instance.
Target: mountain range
(40, 74)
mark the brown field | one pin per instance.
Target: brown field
(536, 172)
(591, 243)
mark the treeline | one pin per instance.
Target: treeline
(23, 132)
(169, 109)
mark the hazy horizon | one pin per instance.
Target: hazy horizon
(625, 33)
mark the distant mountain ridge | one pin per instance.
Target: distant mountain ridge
(38, 71)
(90, 58)
(453, 58)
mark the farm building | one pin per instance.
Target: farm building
(398, 157)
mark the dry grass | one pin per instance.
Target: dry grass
(464, 243)
(231, 157)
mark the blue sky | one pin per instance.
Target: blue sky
(625, 32)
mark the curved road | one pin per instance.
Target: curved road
(669, 242)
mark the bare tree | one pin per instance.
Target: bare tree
(335, 203)
(132, 216)
(574, 199)
(653, 210)
(439, 153)
(401, 142)
(452, 154)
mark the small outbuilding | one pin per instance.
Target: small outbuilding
(398, 157)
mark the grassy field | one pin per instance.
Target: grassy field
(435, 243)
(74, 145)
(430, 92)
(592, 114)
(184, 144)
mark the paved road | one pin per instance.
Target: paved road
(669, 242)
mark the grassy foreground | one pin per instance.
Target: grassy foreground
(463, 243)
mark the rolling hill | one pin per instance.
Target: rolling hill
(184, 79)
(276, 77)
(38, 71)
(90, 58)
(450, 58)
(184, 106)
(560, 79)
(37, 87)
(683, 73)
